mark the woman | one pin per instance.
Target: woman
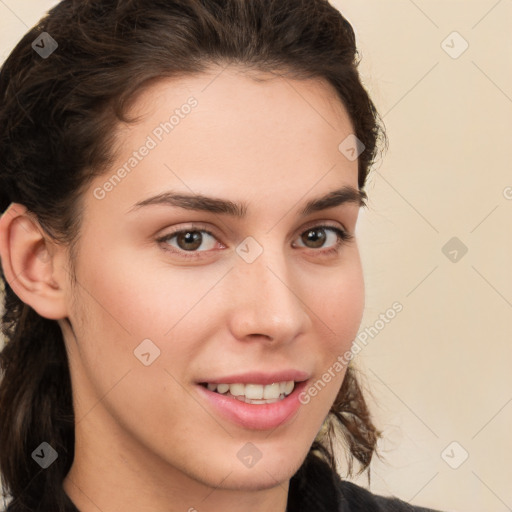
(180, 185)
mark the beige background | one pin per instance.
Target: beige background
(439, 371)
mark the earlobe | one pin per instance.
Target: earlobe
(29, 262)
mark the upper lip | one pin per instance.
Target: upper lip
(257, 377)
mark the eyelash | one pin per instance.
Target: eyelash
(343, 238)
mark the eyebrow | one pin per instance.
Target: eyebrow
(346, 194)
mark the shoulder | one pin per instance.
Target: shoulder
(354, 498)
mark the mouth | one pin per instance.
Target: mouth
(255, 394)
(251, 405)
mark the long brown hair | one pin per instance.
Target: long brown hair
(57, 120)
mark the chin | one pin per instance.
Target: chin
(258, 480)
(262, 475)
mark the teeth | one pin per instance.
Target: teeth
(272, 391)
(222, 388)
(255, 393)
(289, 387)
(237, 389)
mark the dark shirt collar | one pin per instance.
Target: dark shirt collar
(315, 488)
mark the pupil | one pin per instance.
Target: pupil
(189, 237)
(320, 239)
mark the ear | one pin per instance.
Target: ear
(32, 263)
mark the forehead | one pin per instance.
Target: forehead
(231, 133)
(239, 102)
(233, 83)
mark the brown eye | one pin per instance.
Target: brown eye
(316, 236)
(189, 240)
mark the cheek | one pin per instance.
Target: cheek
(118, 306)
(340, 310)
(135, 297)
(123, 301)
(340, 307)
(116, 309)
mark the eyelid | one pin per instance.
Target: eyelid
(194, 226)
(343, 236)
(324, 223)
(199, 226)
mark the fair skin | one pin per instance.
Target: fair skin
(146, 439)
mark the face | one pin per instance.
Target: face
(174, 295)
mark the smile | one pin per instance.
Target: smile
(257, 394)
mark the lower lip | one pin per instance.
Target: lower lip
(254, 416)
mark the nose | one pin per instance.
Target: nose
(267, 300)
